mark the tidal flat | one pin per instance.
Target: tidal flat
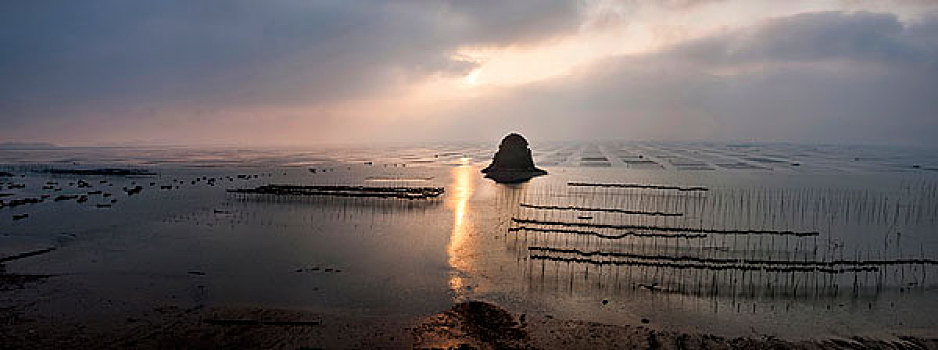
(624, 244)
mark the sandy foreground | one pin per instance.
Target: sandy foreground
(467, 325)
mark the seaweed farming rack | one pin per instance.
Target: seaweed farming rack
(411, 193)
(724, 242)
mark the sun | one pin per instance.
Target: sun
(472, 79)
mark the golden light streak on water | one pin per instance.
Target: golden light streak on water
(462, 188)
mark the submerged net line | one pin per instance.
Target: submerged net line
(638, 186)
(705, 266)
(767, 262)
(664, 228)
(607, 236)
(26, 254)
(605, 210)
(344, 191)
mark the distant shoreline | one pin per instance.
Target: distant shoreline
(26, 145)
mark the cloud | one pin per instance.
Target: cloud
(324, 71)
(830, 77)
(98, 56)
(812, 37)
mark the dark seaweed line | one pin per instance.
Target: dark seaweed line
(339, 194)
(664, 228)
(345, 191)
(404, 189)
(649, 187)
(604, 236)
(832, 263)
(26, 254)
(701, 266)
(605, 210)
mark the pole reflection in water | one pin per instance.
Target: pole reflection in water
(460, 257)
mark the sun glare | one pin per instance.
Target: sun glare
(471, 79)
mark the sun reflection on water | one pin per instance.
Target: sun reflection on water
(462, 189)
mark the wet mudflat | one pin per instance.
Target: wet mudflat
(179, 250)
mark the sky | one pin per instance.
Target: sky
(291, 72)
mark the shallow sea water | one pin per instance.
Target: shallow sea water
(195, 244)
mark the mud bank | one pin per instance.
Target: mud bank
(467, 325)
(480, 325)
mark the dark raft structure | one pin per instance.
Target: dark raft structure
(513, 162)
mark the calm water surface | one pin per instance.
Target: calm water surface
(194, 244)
